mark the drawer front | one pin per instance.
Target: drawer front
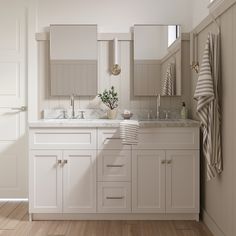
(168, 138)
(114, 197)
(63, 138)
(114, 165)
(109, 138)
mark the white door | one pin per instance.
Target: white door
(148, 181)
(13, 155)
(182, 181)
(79, 181)
(46, 181)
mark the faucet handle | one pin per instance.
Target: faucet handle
(167, 114)
(65, 115)
(82, 114)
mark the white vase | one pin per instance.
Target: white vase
(111, 114)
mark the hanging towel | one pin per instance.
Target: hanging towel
(129, 132)
(207, 94)
(168, 87)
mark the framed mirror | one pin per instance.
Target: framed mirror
(157, 60)
(73, 60)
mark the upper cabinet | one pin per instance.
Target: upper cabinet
(73, 60)
(157, 60)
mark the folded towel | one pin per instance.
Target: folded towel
(129, 132)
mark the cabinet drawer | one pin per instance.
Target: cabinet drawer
(114, 197)
(168, 138)
(114, 165)
(109, 138)
(62, 138)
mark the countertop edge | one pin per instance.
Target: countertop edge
(110, 124)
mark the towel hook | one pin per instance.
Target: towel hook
(195, 67)
(195, 63)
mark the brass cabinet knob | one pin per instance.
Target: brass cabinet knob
(65, 162)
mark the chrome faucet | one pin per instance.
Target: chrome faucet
(158, 105)
(72, 103)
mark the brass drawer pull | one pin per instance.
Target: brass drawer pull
(107, 139)
(115, 165)
(114, 198)
(113, 138)
(169, 161)
(59, 162)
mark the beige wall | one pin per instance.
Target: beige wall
(199, 11)
(114, 16)
(219, 195)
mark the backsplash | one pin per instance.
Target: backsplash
(123, 83)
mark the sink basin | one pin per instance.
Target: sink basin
(160, 120)
(84, 121)
(78, 120)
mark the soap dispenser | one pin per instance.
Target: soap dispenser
(184, 111)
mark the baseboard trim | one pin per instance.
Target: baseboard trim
(110, 216)
(211, 224)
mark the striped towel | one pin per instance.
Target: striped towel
(208, 105)
(129, 132)
(168, 87)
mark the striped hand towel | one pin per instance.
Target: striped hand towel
(168, 87)
(208, 108)
(129, 132)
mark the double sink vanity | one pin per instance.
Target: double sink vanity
(79, 169)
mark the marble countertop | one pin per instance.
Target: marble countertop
(103, 123)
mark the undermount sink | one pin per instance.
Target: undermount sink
(159, 120)
(105, 120)
(78, 120)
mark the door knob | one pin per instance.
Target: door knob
(22, 108)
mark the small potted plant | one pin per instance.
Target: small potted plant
(110, 99)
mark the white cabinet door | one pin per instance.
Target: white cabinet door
(79, 181)
(46, 182)
(182, 181)
(148, 181)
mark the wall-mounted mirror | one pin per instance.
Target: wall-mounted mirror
(73, 60)
(157, 60)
